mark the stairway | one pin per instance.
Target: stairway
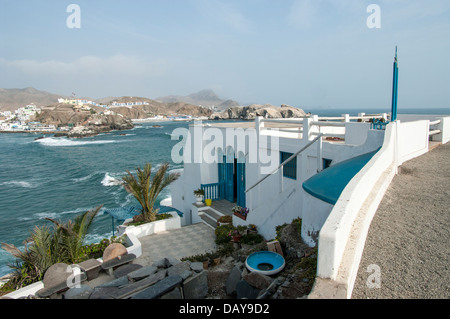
(210, 216)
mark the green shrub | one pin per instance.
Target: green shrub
(252, 239)
(222, 234)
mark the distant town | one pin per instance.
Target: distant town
(24, 119)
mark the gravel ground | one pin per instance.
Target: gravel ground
(409, 238)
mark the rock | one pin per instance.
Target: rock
(82, 292)
(159, 288)
(122, 281)
(174, 294)
(103, 292)
(142, 273)
(113, 251)
(258, 281)
(197, 266)
(244, 290)
(126, 269)
(160, 263)
(233, 278)
(170, 261)
(182, 269)
(196, 287)
(56, 274)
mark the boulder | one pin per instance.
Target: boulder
(233, 278)
(113, 251)
(257, 280)
(196, 287)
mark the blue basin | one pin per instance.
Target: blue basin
(265, 262)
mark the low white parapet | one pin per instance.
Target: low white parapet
(132, 235)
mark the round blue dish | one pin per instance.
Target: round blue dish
(265, 262)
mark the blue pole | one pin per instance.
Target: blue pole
(395, 89)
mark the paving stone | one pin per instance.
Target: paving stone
(160, 288)
(142, 273)
(126, 269)
(196, 287)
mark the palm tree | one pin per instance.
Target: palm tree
(73, 234)
(146, 189)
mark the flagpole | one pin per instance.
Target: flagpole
(395, 89)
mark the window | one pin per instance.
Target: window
(326, 163)
(290, 168)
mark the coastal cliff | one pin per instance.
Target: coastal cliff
(84, 123)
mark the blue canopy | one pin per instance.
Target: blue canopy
(329, 183)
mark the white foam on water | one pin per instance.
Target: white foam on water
(54, 215)
(23, 184)
(108, 180)
(85, 178)
(58, 142)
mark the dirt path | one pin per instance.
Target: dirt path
(408, 244)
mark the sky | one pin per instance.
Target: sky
(311, 54)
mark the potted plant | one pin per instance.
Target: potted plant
(199, 195)
(225, 220)
(252, 229)
(240, 212)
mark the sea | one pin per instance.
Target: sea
(60, 178)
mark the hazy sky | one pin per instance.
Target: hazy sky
(306, 53)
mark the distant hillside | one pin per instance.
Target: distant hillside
(206, 98)
(12, 99)
(157, 108)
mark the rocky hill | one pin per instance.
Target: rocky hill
(12, 99)
(252, 111)
(205, 98)
(93, 121)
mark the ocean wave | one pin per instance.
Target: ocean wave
(23, 184)
(55, 142)
(108, 180)
(85, 178)
(54, 215)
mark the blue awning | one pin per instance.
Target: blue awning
(329, 184)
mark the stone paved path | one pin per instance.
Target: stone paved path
(183, 242)
(408, 240)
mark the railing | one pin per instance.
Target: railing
(434, 132)
(214, 191)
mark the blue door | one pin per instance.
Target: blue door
(229, 182)
(241, 184)
(222, 178)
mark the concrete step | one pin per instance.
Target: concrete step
(210, 217)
